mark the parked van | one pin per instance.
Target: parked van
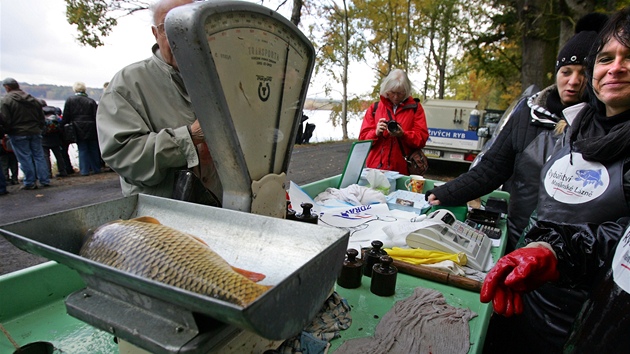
(453, 126)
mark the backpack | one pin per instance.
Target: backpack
(52, 125)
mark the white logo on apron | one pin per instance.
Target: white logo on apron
(576, 183)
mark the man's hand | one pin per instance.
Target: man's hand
(196, 133)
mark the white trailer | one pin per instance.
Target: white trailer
(453, 126)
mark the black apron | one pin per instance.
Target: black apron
(573, 191)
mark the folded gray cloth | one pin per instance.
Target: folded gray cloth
(421, 323)
(333, 317)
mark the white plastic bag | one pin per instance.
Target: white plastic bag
(378, 181)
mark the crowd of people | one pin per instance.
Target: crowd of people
(31, 130)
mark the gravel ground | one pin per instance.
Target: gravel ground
(77, 191)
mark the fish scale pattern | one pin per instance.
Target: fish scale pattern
(161, 253)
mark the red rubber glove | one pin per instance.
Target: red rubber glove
(507, 302)
(522, 270)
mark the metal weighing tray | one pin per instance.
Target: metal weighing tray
(301, 261)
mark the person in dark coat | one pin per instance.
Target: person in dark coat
(52, 138)
(3, 180)
(65, 146)
(23, 119)
(520, 149)
(80, 111)
(8, 161)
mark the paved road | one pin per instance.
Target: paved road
(309, 163)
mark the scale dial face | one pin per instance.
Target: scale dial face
(262, 66)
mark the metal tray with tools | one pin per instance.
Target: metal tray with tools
(300, 260)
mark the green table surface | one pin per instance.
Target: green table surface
(367, 309)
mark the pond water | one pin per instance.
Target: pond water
(324, 129)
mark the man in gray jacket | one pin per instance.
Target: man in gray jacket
(147, 129)
(24, 121)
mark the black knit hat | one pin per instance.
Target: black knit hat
(593, 21)
(576, 49)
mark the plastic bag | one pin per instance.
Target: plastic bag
(378, 181)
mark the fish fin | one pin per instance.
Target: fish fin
(147, 219)
(253, 276)
(198, 239)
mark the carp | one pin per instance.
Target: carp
(144, 247)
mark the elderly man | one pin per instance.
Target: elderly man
(24, 120)
(147, 129)
(80, 111)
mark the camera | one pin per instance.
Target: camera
(393, 126)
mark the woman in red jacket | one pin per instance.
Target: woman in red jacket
(396, 116)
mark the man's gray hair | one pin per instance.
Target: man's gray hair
(396, 80)
(154, 6)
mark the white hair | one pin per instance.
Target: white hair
(396, 80)
(155, 7)
(79, 87)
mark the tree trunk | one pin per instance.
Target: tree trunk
(539, 48)
(296, 13)
(346, 63)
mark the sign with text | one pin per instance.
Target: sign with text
(459, 139)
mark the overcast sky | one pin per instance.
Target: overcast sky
(38, 46)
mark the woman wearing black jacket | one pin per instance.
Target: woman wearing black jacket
(519, 151)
